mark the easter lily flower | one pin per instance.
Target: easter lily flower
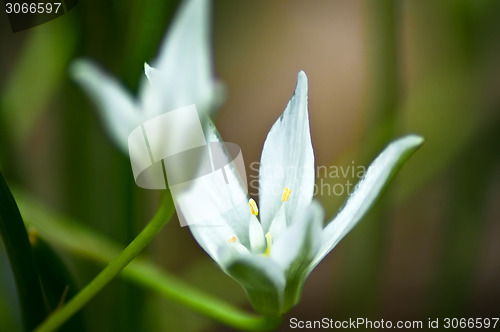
(272, 258)
(181, 76)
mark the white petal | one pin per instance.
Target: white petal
(278, 225)
(295, 250)
(236, 185)
(238, 248)
(183, 73)
(213, 193)
(221, 204)
(215, 240)
(115, 104)
(380, 172)
(301, 240)
(256, 233)
(288, 160)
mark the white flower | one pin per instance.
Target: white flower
(271, 258)
(181, 76)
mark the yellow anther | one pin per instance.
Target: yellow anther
(253, 207)
(286, 194)
(33, 236)
(232, 239)
(269, 241)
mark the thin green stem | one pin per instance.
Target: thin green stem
(55, 320)
(383, 24)
(80, 240)
(360, 290)
(154, 278)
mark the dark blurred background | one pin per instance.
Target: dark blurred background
(376, 69)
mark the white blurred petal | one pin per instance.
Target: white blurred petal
(183, 69)
(114, 103)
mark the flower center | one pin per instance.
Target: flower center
(257, 238)
(277, 226)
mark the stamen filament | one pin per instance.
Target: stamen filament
(269, 241)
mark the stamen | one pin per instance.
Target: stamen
(286, 194)
(33, 236)
(269, 241)
(232, 239)
(253, 207)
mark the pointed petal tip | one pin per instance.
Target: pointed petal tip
(302, 75)
(301, 88)
(411, 140)
(87, 73)
(148, 70)
(79, 68)
(302, 80)
(191, 22)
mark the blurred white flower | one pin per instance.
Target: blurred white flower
(182, 75)
(272, 258)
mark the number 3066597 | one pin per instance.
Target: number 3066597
(463, 323)
(32, 8)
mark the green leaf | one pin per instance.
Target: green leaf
(21, 259)
(57, 281)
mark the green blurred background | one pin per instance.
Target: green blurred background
(377, 70)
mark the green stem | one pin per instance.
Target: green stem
(152, 277)
(58, 318)
(84, 242)
(362, 270)
(385, 23)
(383, 34)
